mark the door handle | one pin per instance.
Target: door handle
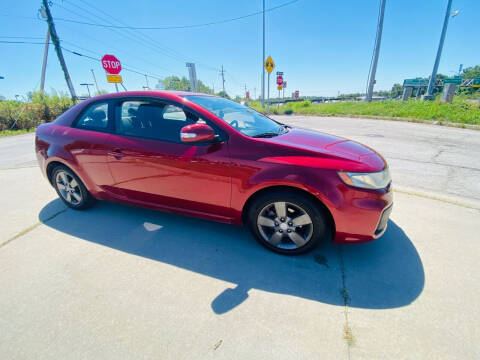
(117, 154)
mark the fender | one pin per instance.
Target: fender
(317, 183)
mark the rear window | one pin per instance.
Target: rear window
(95, 117)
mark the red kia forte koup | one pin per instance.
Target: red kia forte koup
(209, 157)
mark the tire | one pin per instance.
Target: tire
(302, 228)
(70, 189)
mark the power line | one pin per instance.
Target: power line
(83, 55)
(124, 34)
(151, 40)
(21, 42)
(21, 37)
(178, 26)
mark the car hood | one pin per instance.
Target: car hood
(315, 149)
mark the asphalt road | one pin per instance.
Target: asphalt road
(426, 157)
(123, 282)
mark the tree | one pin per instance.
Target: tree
(183, 84)
(397, 90)
(175, 83)
(471, 72)
(223, 94)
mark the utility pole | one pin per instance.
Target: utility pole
(45, 52)
(58, 49)
(245, 91)
(263, 59)
(378, 40)
(222, 72)
(433, 77)
(88, 88)
(146, 80)
(95, 81)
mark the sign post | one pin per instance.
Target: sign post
(112, 67)
(280, 84)
(269, 66)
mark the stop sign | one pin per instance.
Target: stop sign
(111, 64)
(279, 79)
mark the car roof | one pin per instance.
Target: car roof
(165, 94)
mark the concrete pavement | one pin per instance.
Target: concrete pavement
(124, 282)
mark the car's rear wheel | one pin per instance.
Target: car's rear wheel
(287, 223)
(71, 189)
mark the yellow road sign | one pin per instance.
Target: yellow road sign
(269, 64)
(279, 87)
(114, 78)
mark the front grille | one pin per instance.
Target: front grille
(382, 224)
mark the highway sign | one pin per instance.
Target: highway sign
(111, 64)
(269, 65)
(476, 83)
(455, 80)
(279, 72)
(418, 82)
(117, 79)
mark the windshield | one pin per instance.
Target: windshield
(242, 118)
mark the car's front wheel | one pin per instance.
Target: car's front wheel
(71, 189)
(287, 223)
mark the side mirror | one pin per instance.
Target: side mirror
(197, 133)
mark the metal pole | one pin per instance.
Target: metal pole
(268, 95)
(371, 80)
(433, 77)
(95, 81)
(44, 64)
(223, 81)
(263, 59)
(116, 87)
(58, 49)
(146, 80)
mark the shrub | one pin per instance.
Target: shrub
(41, 108)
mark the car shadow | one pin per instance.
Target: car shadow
(385, 273)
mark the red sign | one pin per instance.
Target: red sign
(297, 94)
(247, 95)
(111, 64)
(279, 79)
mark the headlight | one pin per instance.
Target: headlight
(378, 180)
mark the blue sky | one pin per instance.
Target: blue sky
(323, 47)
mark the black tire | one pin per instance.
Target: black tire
(80, 197)
(265, 205)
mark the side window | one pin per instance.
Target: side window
(95, 118)
(153, 120)
(173, 112)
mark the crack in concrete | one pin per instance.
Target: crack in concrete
(347, 330)
(31, 227)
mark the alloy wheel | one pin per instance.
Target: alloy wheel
(285, 225)
(68, 187)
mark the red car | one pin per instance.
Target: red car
(209, 157)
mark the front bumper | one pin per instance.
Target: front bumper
(363, 215)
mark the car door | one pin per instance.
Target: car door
(87, 144)
(151, 165)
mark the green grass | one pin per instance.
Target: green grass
(15, 132)
(460, 111)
